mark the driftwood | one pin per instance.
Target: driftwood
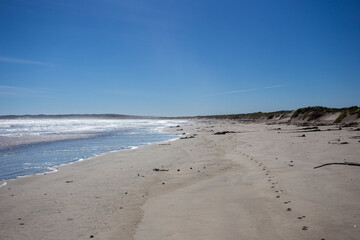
(310, 128)
(160, 170)
(223, 133)
(191, 136)
(343, 163)
(337, 142)
(301, 130)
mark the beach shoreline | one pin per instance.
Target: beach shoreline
(221, 180)
(23, 159)
(55, 168)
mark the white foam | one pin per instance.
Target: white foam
(3, 184)
(24, 131)
(174, 139)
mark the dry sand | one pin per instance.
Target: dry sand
(257, 182)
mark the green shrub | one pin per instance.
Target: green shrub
(300, 111)
(341, 117)
(353, 110)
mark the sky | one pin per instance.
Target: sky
(177, 57)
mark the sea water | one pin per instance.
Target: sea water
(31, 146)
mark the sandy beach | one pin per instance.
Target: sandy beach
(221, 180)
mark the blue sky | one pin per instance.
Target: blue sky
(175, 58)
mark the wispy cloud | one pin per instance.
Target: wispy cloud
(22, 61)
(28, 92)
(247, 90)
(128, 93)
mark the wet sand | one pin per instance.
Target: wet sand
(251, 181)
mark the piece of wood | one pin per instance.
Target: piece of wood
(343, 163)
(160, 170)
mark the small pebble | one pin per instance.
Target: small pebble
(289, 209)
(125, 192)
(304, 228)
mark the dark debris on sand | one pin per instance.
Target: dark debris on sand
(223, 132)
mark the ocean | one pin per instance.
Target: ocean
(33, 146)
